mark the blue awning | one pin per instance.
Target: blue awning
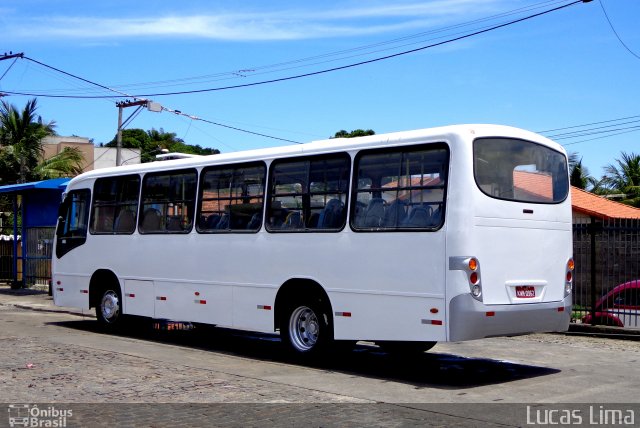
(53, 184)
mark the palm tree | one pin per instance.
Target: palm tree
(579, 175)
(624, 177)
(21, 135)
(67, 163)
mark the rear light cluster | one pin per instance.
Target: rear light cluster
(473, 272)
(568, 279)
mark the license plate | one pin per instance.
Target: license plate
(525, 291)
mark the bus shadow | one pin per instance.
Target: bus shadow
(427, 370)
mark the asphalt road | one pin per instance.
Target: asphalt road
(63, 360)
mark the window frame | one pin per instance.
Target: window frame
(403, 149)
(234, 166)
(520, 201)
(309, 158)
(117, 204)
(63, 246)
(141, 209)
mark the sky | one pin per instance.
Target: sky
(561, 69)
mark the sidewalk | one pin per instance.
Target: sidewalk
(35, 300)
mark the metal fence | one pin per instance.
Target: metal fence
(37, 260)
(607, 275)
(6, 261)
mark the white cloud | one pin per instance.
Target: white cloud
(280, 25)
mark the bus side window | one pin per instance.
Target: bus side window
(115, 205)
(231, 198)
(309, 194)
(399, 188)
(170, 196)
(72, 223)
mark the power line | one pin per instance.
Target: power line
(587, 124)
(341, 54)
(180, 113)
(122, 94)
(590, 131)
(315, 73)
(164, 108)
(614, 127)
(616, 33)
(603, 136)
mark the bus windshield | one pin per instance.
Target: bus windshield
(518, 170)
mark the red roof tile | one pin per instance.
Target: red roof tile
(597, 206)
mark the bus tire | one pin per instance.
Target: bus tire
(306, 328)
(109, 308)
(409, 348)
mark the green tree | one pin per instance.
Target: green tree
(67, 163)
(579, 174)
(155, 141)
(21, 147)
(355, 133)
(21, 135)
(624, 177)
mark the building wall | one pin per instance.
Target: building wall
(579, 217)
(94, 157)
(55, 145)
(105, 157)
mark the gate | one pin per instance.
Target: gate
(607, 275)
(37, 259)
(6, 260)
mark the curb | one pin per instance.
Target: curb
(45, 309)
(604, 332)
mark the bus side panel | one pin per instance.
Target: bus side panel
(388, 317)
(206, 303)
(393, 285)
(138, 298)
(71, 290)
(253, 307)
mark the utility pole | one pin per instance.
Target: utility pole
(121, 105)
(11, 55)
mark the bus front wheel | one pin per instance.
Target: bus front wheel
(306, 328)
(109, 308)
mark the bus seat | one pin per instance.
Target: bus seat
(293, 221)
(419, 217)
(151, 220)
(254, 223)
(436, 217)
(223, 223)
(374, 215)
(125, 222)
(211, 221)
(332, 216)
(175, 224)
(360, 211)
(396, 214)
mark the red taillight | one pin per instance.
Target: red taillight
(569, 276)
(473, 278)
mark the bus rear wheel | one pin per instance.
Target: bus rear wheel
(306, 328)
(109, 308)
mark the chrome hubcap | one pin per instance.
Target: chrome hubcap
(304, 328)
(110, 306)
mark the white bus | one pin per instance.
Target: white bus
(404, 239)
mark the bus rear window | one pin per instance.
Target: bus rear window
(518, 170)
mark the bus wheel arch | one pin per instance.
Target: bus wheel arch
(304, 316)
(105, 295)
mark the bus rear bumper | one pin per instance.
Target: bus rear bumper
(470, 319)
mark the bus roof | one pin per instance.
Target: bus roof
(469, 131)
